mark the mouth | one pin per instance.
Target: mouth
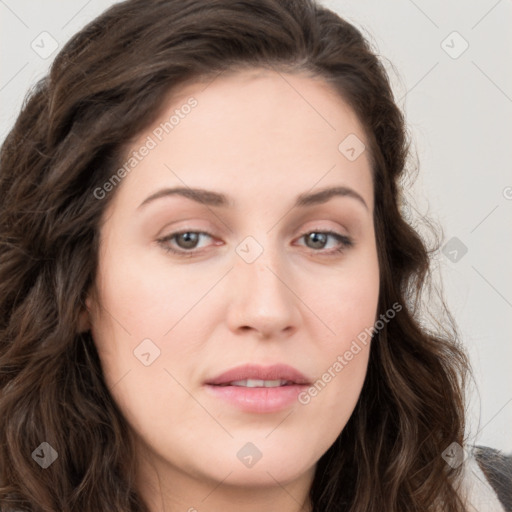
(252, 375)
(258, 389)
(258, 383)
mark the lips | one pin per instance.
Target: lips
(258, 389)
(282, 372)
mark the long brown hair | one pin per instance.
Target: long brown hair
(107, 85)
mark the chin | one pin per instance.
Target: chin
(260, 463)
(261, 474)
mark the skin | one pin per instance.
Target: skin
(262, 138)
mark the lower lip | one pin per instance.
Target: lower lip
(259, 400)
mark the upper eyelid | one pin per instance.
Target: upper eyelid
(203, 232)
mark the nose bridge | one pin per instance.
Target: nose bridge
(262, 299)
(260, 265)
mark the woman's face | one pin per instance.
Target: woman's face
(246, 285)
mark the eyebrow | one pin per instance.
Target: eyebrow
(210, 198)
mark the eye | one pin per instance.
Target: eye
(318, 240)
(185, 240)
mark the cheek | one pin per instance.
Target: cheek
(345, 353)
(346, 301)
(145, 308)
(145, 296)
(332, 397)
(348, 306)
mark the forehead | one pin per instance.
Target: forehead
(252, 133)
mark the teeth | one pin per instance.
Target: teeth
(257, 383)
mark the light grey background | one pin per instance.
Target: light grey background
(458, 106)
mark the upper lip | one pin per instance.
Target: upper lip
(253, 371)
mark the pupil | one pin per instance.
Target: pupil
(318, 237)
(190, 239)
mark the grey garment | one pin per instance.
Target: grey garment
(497, 467)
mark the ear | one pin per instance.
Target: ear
(84, 319)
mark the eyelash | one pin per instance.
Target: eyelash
(345, 243)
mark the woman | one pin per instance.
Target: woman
(210, 299)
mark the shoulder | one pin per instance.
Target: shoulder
(487, 480)
(497, 468)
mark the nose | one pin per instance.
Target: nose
(263, 300)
